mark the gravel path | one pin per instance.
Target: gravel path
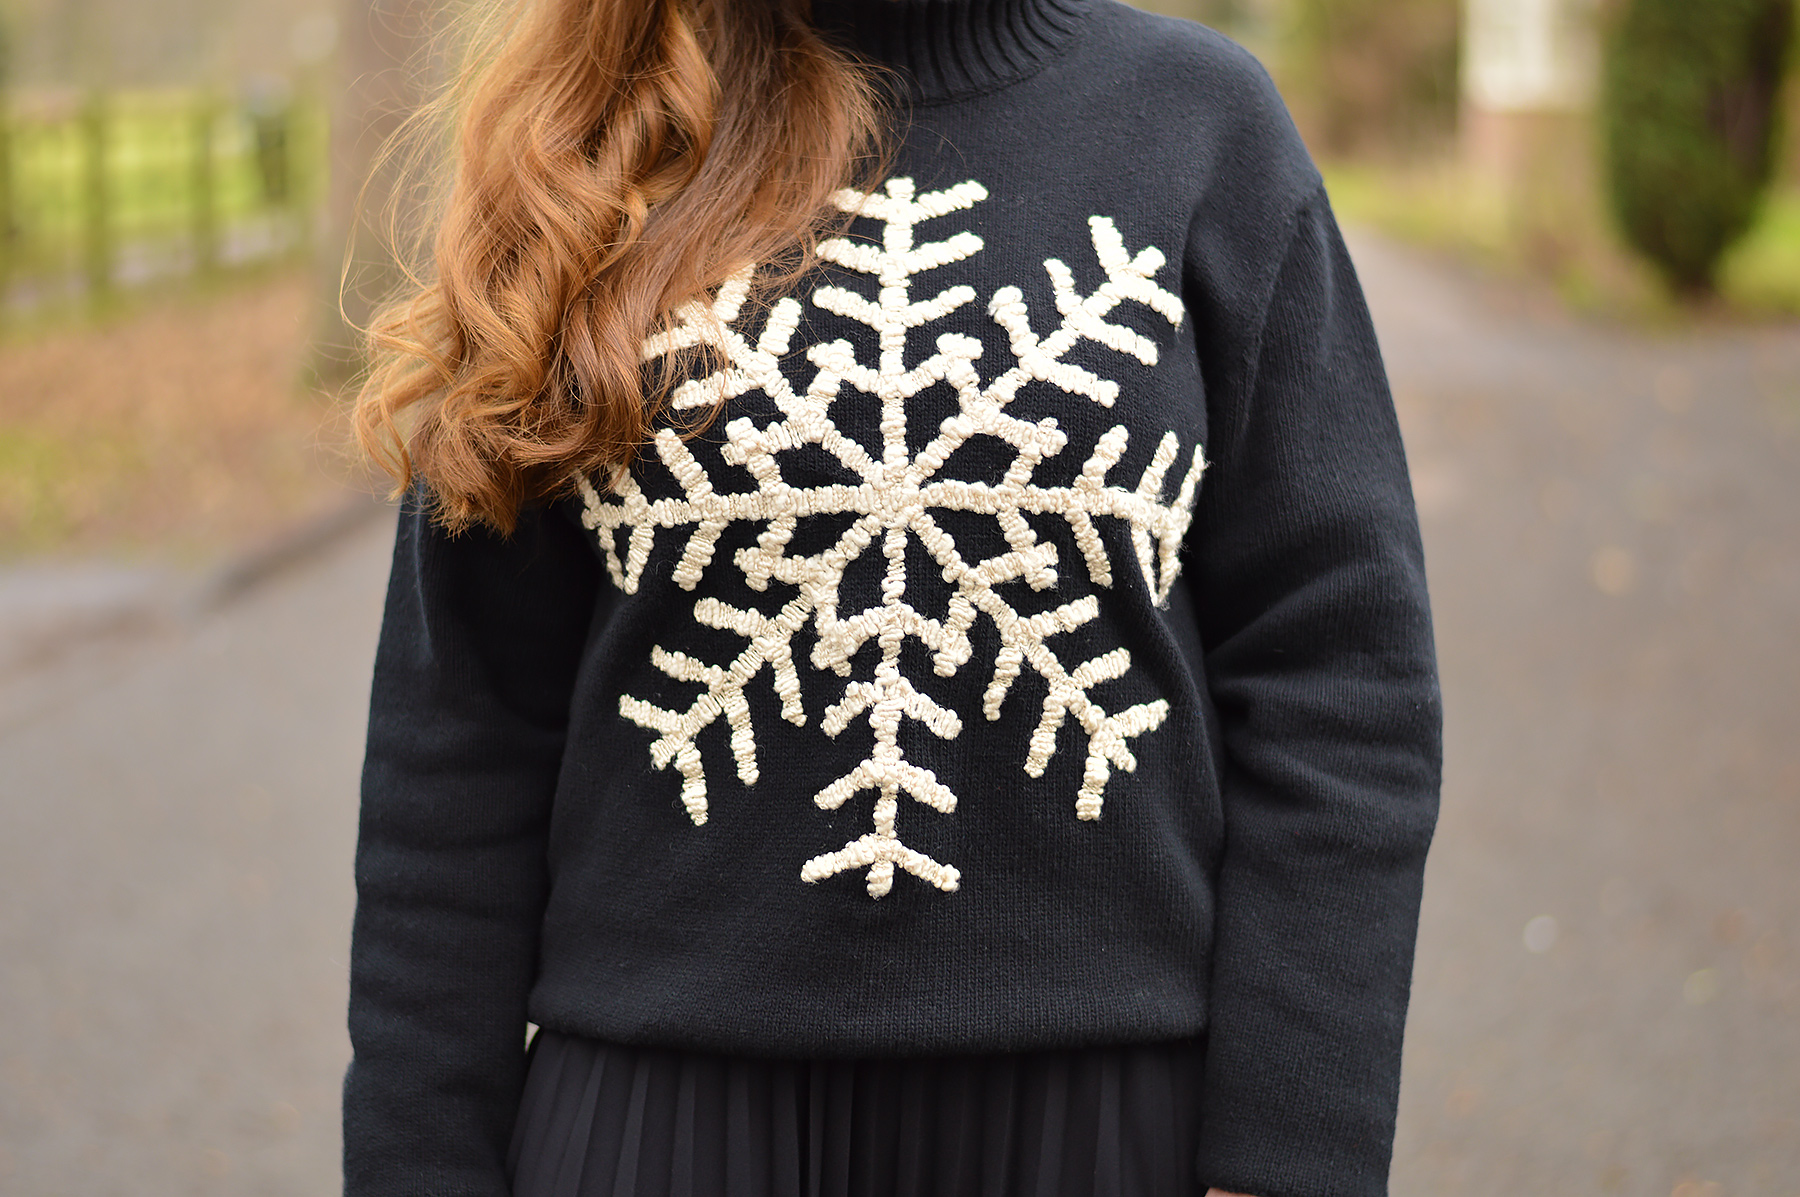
(1608, 990)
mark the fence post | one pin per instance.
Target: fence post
(203, 183)
(306, 155)
(9, 229)
(96, 201)
(10, 233)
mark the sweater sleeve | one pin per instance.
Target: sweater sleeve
(1310, 582)
(480, 642)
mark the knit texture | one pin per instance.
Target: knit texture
(1032, 653)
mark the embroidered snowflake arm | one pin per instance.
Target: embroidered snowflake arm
(891, 487)
(1157, 528)
(1022, 641)
(1041, 359)
(745, 367)
(1160, 525)
(631, 509)
(1084, 317)
(886, 772)
(770, 643)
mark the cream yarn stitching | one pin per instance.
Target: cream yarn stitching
(892, 504)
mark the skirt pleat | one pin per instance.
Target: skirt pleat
(603, 1120)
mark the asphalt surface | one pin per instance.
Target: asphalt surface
(1613, 536)
(1608, 988)
(176, 826)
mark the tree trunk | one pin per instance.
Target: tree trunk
(386, 72)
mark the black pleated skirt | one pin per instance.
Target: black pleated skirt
(600, 1120)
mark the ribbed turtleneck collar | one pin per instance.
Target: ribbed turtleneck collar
(950, 48)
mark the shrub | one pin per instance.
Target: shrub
(1370, 75)
(1689, 110)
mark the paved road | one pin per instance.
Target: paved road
(1608, 993)
(1613, 535)
(175, 894)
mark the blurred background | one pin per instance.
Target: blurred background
(1578, 222)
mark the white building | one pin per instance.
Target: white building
(1529, 55)
(1530, 71)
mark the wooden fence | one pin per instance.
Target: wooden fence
(109, 191)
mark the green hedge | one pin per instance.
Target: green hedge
(1689, 108)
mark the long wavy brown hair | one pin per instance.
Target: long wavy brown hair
(614, 161)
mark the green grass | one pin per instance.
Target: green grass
(1762, 272)
(1442, 208)
(1435, 206)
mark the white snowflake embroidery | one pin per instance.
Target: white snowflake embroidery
(893, 502)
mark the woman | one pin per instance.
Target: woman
(907, 653)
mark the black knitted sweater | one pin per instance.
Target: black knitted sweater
(1033, 652)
